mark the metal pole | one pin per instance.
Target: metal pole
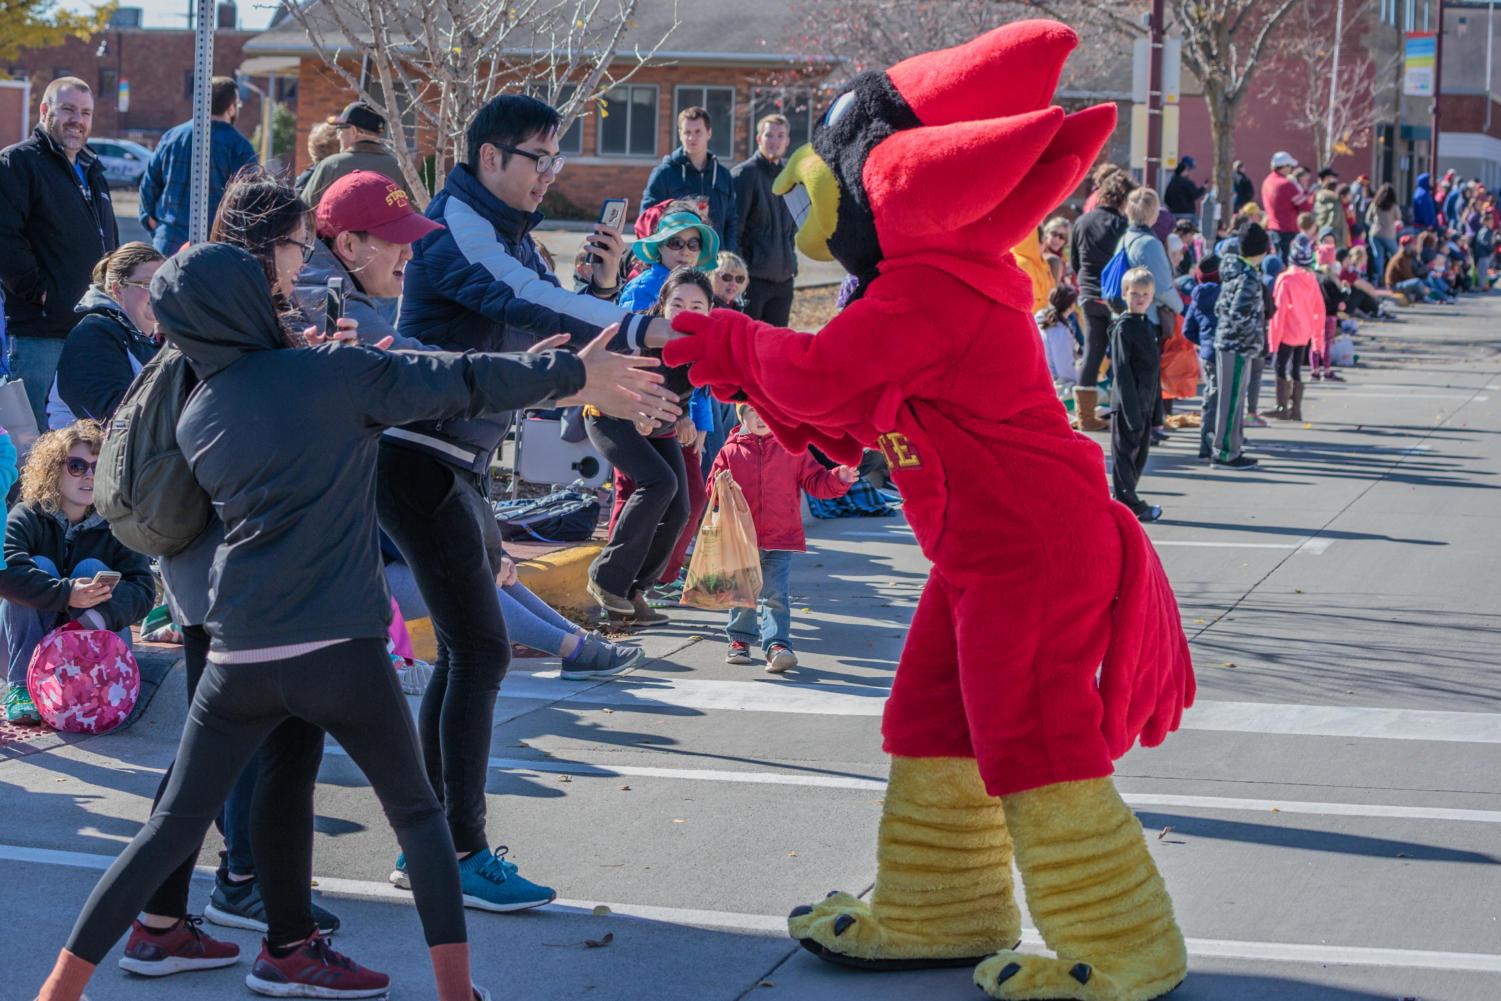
(1438, 90)
(1490, 37)
(1154, 96)
(203, 70)
(1339, 32)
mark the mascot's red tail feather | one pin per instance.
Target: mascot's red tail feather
(1147, 678)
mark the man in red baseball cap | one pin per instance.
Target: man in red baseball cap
(366, 228)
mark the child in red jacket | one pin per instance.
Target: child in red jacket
(772, 479)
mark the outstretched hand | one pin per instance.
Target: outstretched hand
(622, 385)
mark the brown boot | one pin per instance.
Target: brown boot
(1086, 398)
(1295, 411)
(1284, 393)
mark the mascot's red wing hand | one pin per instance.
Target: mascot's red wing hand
(1147, 679)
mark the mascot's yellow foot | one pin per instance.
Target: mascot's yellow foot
(943, 894)
(1096, 897)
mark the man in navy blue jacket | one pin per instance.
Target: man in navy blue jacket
(479, 284)
(166, 187)
(692, 171)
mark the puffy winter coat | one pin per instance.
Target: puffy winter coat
(771, 477)
(764, 227)
(1240, 312)
(676, 177)
(1424, 208)
(1299, 319)
(100, 359)
(1329, 211)
(32, 532)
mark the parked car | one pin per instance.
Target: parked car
(124, 161)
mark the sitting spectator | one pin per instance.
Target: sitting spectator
(770, 477)
(730, 277)
(322, 143)
(114, 340)
(1401, 273)
(55, 545)
(1365, 299)
(530, 622)
(366, 228)
(1057, 339)
(681, 240)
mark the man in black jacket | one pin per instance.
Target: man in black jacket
(56, 221)
(767, 229)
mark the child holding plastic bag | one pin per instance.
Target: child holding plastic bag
(772, 479)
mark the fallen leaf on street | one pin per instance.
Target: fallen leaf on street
(600, 910)
(678, 820)
(1228, 663)
(600, 943)
(1164, 832)
(625, 788)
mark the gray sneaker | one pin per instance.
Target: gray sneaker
(599, 658)
(239, 905)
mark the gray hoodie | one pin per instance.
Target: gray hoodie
(284, 441)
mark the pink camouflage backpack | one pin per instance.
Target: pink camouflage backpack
(83, 680)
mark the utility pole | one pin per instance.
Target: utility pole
(1490, 37)
(1339, 34)
(1154, 95)
(1438, 92)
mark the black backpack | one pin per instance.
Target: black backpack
(143, 486)
(568, 514)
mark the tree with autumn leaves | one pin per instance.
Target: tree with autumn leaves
(40, 24)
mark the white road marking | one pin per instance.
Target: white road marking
(580, 769)
(1393, 397)
(1289, 952)
(1313, 546)
(787, 696)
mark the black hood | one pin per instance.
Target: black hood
(212, 302)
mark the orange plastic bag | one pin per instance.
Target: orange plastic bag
(726, 568)
(1180, 367)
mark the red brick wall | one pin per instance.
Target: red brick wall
(588, 178)
(153, 61)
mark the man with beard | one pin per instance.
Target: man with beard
(167, 185)
(56, 221)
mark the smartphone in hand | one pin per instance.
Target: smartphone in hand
(333, 305)
(611, 214)
(107, 577)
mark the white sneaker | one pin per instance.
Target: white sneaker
(780, 658)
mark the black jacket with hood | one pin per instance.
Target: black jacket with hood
(765, 226)
(100, 359)
(51, 234)
(32, 532)
(676, 177)
(284, 441)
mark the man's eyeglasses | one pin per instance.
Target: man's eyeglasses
(547, 163)
(307, 248)
(77, 467)
(675, 243)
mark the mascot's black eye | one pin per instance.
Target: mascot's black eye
(838, 109)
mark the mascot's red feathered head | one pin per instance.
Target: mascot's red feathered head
(955, 150)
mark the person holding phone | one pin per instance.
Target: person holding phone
(61, 562)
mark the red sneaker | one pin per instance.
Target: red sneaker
(315, 970)
(185, 947)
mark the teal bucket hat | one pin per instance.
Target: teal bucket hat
(671, 225)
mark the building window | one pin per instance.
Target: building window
(109, 84)
(720, 103)
(370, 84)
(794, 102)
(628, 121)
(572, 141)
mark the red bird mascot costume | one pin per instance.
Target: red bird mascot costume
(1047, 640)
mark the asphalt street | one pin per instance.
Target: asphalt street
(1328, 820)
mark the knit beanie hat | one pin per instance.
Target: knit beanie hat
(1253, 240)
(1208, 269)
(1302, 254)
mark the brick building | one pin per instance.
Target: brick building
(153, 66)
(735, 63)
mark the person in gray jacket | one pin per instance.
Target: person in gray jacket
(1145, 250)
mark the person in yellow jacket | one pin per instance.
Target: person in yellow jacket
(1028, 256)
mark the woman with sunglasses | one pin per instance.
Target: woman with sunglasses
(55, 545)
(114, 340)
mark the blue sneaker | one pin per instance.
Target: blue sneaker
(491, 883)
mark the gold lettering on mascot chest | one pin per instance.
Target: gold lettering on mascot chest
(899, 451)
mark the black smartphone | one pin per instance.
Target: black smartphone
(333, 305)
(612, 214)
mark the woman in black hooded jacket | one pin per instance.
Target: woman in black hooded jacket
(300, 608)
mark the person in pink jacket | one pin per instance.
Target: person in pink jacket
(1297, 325)
(772, 480)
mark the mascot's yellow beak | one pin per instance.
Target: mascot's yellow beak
(812, 194)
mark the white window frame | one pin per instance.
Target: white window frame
(678, 106)
(656, 132)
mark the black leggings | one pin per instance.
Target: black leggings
(445, 528)
(1097, 317)
(651, 521)
(293, 751)
(348, 690)
(1290, 361)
